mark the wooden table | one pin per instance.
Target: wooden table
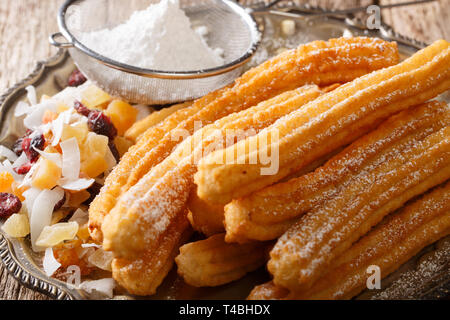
(25, 25)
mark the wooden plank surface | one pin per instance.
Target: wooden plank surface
(26, 24)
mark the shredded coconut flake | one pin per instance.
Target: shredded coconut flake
(50, 264)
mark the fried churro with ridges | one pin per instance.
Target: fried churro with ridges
(309, 247)
(137, 129)
(388, 246)
(322, 63)
(333, 120)
(268, 213)
(213, 262)
(208, 218)
(143, 276)
(158, 197)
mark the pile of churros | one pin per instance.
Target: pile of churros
(320, 162)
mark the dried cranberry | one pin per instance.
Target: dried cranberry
(76, 79)
(17, 147)
(101, 124)
(60, 203)
(23, 169)
(82, 109)
(29, 144)
(114, 150)
(9, 204)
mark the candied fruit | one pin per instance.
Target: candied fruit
(122, 115)
(78, 131)
(122, 145)
(18, 190)
(47, 175)
(77, 198)
(94, 97)
(6, 181)
(17, 225)
(67, 254)
(57, 233)
(96, 143)
(9, 204)
(94, 165)
(83, 232)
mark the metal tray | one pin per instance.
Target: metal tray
(50, 76)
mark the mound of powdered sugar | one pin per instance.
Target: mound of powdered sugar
(159, 37)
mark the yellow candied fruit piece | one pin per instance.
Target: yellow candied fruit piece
(122, 115)
(94, 165)
(83, 232)
(79, 131)
(47, 175)
(96, 143)
(6, 181)
(67, 254)
(57, 233)
(101, 259)
(93, 97)
(122, 145)
(77, 198)
(17, 225)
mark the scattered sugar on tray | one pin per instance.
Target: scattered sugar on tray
(159, 37)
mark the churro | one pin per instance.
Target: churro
(268, 213)
(213, 262)
(137, 129)
(142, 276)
(268, 291)
(323, 63)
(333, 120)
(309, 247)
(207, 218)
(388, 246)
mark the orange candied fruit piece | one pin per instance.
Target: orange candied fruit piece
(122, 115)
(6, 181)
(18, 191)
(67, 254)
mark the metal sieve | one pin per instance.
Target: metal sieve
(230, 26)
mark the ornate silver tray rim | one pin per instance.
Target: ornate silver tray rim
(28, 274)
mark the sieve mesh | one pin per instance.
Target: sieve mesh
(229, 29)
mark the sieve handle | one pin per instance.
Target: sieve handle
(53, 41)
